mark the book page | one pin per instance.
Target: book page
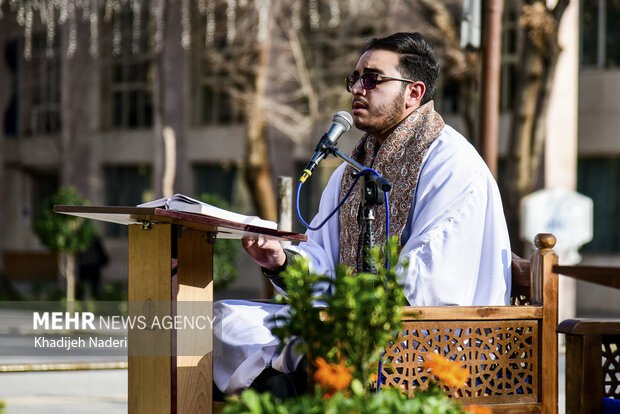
(181, 202)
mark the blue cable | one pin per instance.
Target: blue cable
(387, 229)
(357, 177)
(308, 226)
(387, 267)
(387, 236)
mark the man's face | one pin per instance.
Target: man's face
(379, 110)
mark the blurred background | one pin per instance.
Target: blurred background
(126, 101)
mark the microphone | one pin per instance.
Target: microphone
(341, 123)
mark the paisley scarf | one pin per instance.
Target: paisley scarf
(399, 160)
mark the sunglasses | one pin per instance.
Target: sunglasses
(370, 80)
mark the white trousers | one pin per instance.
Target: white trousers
(244, 345)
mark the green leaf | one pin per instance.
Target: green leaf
(357, 387)
(225, 251)
(61, 232)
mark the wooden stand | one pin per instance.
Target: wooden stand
(171, 260)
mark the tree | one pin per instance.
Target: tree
(286, 71)
(171, 102)
(5, 96)
(538, 52)
(79, 109)
(283, 62)
(538, 58)
(66, 235)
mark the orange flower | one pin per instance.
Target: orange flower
(476, 409)
(324, 316)
(445, 370)
(332, 377)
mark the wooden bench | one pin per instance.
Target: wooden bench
(21, 266)
(511, 352)
(592, 349)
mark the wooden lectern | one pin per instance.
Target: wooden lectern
(171, 259)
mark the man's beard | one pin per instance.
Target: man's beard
(392, 113)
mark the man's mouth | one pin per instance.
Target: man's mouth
(359, 105)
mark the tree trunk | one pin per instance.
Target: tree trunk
(539, 55)
(79, 121)
(171, 101)
(67, 267)
(519, 180)
(6, 86)
(258, 166)
(79, 108)
(470, 96)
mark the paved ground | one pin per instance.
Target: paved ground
(66, 392)
(33, 390)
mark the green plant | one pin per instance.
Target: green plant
(390, 401)
(362, 312)
(45, 291)
(60, 232)
(65, 234)
(114, 291)
(343, 340)
(224, 251)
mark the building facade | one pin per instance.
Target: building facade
(122, 146)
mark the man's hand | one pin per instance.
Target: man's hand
(267, 253)
(520, 271)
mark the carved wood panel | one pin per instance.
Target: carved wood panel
(611, 365)
(501, 356)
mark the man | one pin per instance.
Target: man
(444, 206)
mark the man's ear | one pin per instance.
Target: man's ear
(415, 93)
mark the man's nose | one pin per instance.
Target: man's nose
(357, 88)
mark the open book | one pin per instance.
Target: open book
(180, 202)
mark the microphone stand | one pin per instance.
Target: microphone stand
(374, 187)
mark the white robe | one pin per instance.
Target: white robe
(456, 251)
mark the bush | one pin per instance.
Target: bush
(225, 251)
(61, 232)
(343, 341)
(388, 401)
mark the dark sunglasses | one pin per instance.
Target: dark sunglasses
(370, 80)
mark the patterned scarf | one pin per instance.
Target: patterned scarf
(399, 160)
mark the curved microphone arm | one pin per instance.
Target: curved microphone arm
(383, 184)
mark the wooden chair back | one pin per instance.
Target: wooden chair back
(510, 351)
(592, 350)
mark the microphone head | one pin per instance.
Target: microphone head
(343, 118)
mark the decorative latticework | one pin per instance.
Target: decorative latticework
(611, 365)
(501, 356)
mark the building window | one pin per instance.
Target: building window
(44, 186)
(600, 33)
(11, 117)
(216, 107)
(215, 179)
(599, 179)
(126, 186)
(212, 102)
(130, 76)
(35, 110)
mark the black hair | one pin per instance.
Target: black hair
(417, 58)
